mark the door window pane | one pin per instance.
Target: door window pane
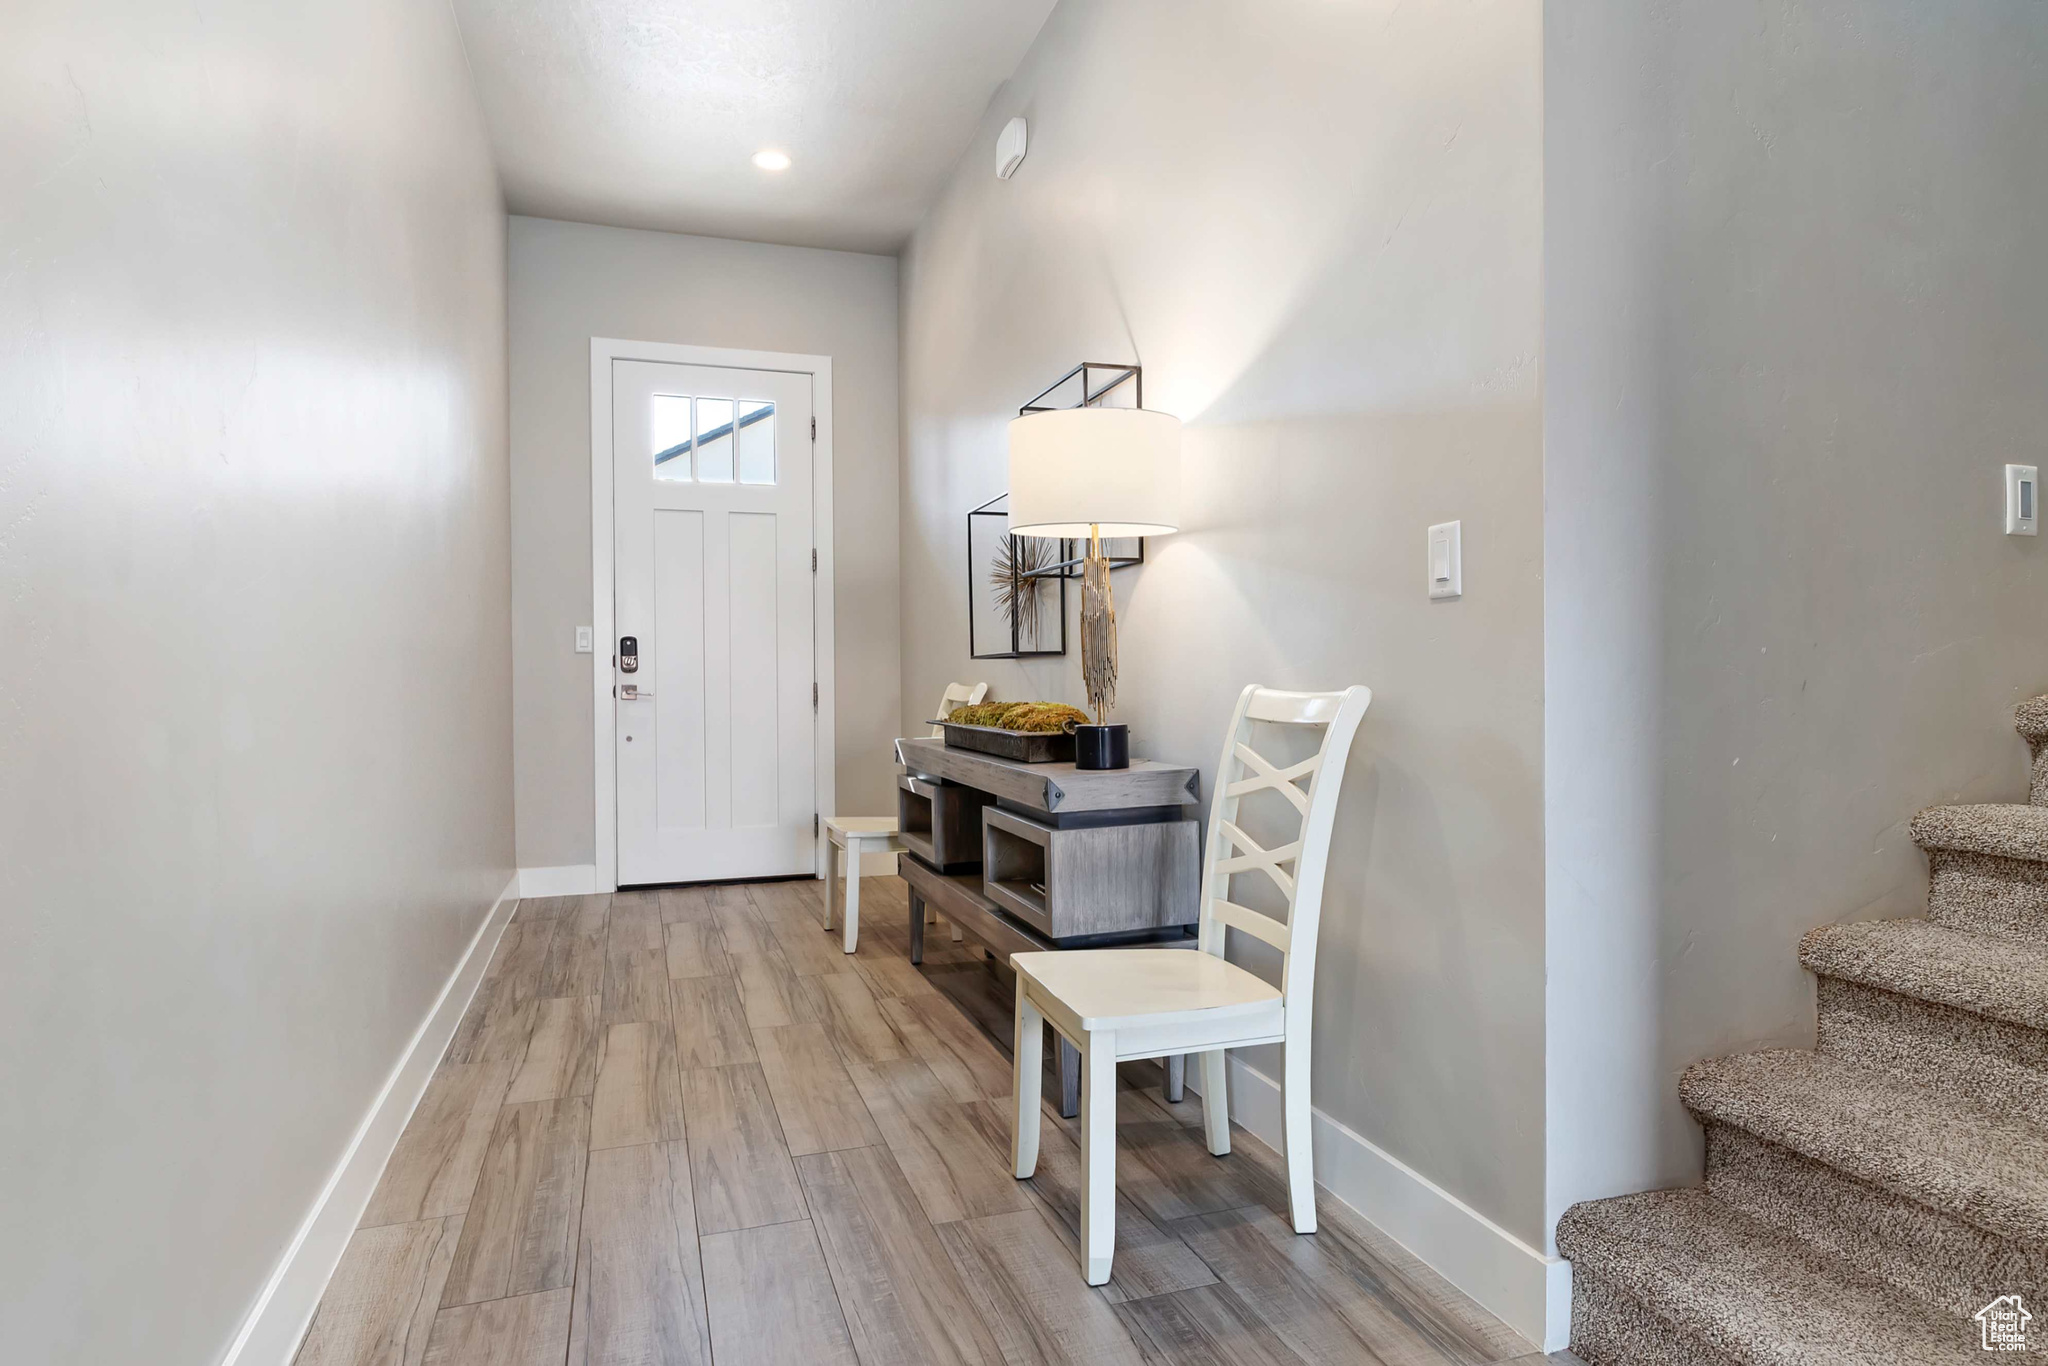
(757, 441)
(714, 440)
(670, 419)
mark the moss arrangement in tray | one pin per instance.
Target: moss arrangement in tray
(1038, 717)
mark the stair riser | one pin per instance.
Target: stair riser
(1610, 1329)
(1997, 1065)
(1988, 894)
(1936, 1258)
(2039, 796)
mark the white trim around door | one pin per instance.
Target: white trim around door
(603, 565)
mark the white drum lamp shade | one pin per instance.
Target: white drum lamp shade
(1116, 469)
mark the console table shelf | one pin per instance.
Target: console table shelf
(958, 898)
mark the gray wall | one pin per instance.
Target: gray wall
(255, 721)
(570, 282)
(1795, 292)
(1317, 226)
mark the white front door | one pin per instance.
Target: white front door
(716, 726)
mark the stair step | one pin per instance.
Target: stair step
(1725, 1283)
(1945, 1262)
(1988, 868)
(1988, 1169)
(2000, 979)
(2031, 719)
(2004, 829)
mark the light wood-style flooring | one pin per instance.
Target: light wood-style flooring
(681, 1127)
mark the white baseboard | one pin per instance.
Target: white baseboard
(1528, 1291)
(270, 1335)
(575, 879)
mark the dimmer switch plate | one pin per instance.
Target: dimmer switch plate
(1446, 561)
(2022, 500)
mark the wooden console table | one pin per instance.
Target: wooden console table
(1062, 858)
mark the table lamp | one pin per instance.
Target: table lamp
(1096, 472)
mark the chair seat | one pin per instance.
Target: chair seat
(1122, 988)
(861, 825)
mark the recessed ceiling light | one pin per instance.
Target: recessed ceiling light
(772, 160)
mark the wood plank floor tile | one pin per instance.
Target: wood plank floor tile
(771, 993)
(890, 975)
(639, 1279)
(433, 1169)
(575, 961)
(523, 952)
(1401, 1275)
(635, 982)
(638, 1097)
(1207, 1326)
(1148, 1077)
(771, 1299)
(1032, 1296)
(379, 1306)
(561, 1054)
(499, 1020)
(1168, 1172)
(498, 1024)
(636, 921)
(811, 952)
(711, 1024)
(935, 1031)
(935, 1141)
(853, 1019)
(683, 903)
(725, 895)
(538, 908)
(738, 1161)
(986, 995)
(900, 1291)
(520, 1234)
(1321, 1301)
(815, 1099)
(744, 930)
(696, 948)
(1149, 1260)
(525, 1330)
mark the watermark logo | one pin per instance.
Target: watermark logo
(2004, 1322)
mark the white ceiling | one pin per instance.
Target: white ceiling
(645, 113)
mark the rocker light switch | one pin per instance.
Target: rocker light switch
(583, 645)
(2022, 500)
(1446, 561)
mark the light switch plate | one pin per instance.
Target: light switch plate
(2022, 500)
(583, 645)
(1446, 560)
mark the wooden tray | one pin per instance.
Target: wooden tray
(1025, 746)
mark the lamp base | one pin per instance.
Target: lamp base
(1099, 747)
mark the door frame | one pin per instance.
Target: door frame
(604, 569)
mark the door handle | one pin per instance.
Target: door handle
(629, 692)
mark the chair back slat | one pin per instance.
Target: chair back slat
(1297, 708)
(1295, 866)
(1257, 924)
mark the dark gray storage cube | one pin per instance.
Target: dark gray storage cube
(940, 822)
(1091, 878)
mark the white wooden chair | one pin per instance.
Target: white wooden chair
(848, 837)
(1115, 1004)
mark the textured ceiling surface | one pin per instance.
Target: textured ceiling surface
(646, 113)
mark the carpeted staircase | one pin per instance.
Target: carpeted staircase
(1863, 1201)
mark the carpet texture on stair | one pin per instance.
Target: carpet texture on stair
(1865, 1199)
